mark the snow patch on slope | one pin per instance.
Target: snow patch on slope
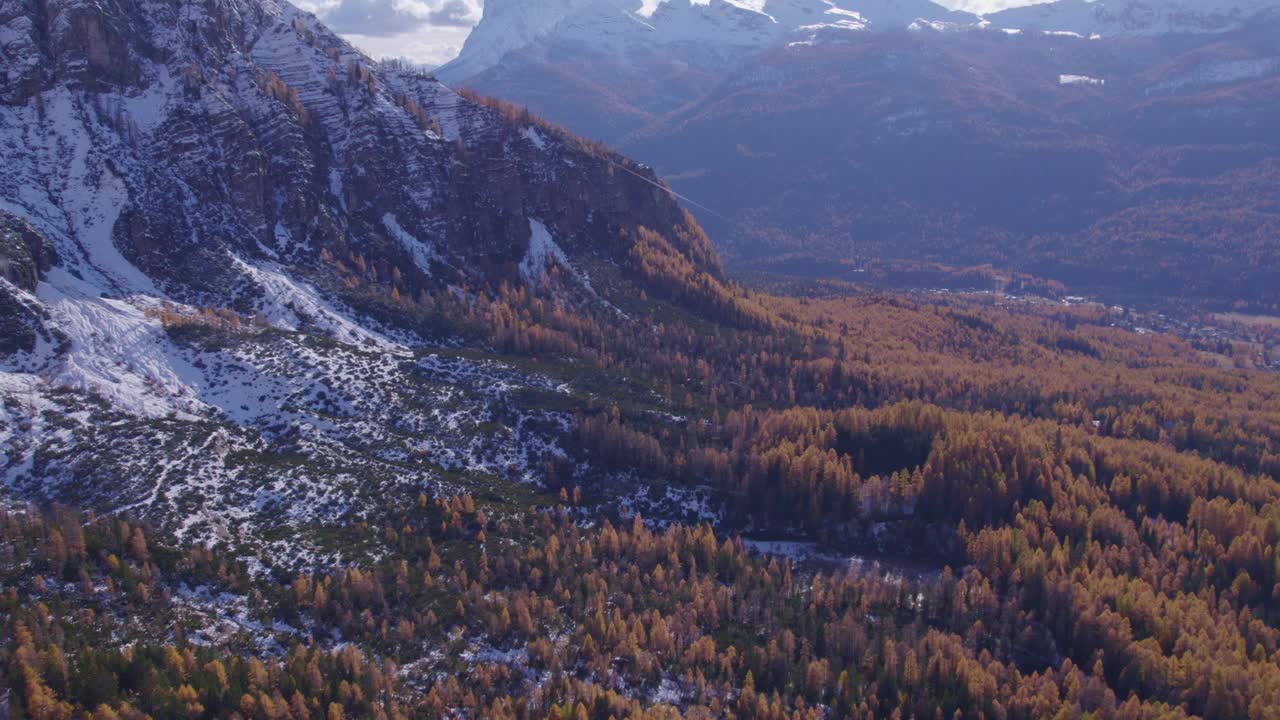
(293, 305)
(58, 181)
(113, 350)
(543, 250)
(1080, 80)
(423, 253)
(532, 135)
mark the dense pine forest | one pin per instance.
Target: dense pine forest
(1097, 511)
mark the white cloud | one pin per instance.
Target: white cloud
(430, 32)
(430, 45)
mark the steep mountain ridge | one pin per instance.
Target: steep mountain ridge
(225, 229)
(309, 137)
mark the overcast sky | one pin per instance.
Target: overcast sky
(431, 32)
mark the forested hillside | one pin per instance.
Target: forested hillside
(1098, 510)
(328, 392)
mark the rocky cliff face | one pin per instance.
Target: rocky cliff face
(180, 134)
(25, 256)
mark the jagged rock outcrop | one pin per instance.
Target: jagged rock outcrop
(25, 255)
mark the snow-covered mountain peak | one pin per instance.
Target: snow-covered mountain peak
(717, 28)
(505, 26)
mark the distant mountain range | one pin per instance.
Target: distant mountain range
(1117, 147)
(726, 28)
(703, 34)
